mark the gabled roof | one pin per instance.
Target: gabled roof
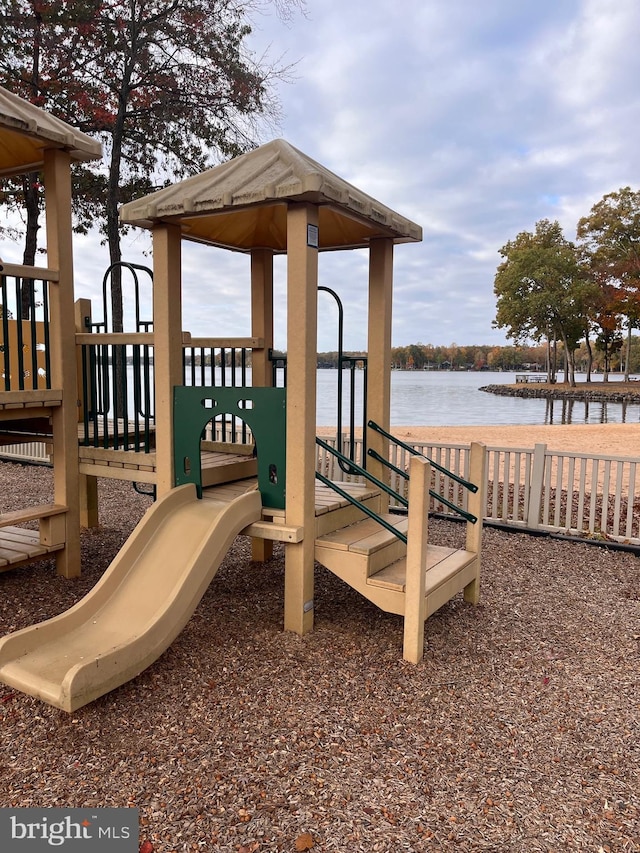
(27, 131)
(242, 204)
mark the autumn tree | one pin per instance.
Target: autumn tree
(609, 239)
(169, 86)
(541, 292)
(33, 64)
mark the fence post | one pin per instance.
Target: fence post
(535, 490)
(416, 575)
(477, 506)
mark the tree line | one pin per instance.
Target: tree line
(584, 294)
(532, 357)
(170, 87)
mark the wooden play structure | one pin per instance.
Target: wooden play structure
(227, 447)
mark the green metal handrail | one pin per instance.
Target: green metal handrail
(468, 516)
(361, 506)
(470, 486)
(361, 472)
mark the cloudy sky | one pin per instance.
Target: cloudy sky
(474, 119)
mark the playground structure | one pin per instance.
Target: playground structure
(224, 457)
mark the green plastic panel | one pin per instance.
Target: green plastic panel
(262, 409)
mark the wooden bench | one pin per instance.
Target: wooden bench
(19, 545)
(530, 377)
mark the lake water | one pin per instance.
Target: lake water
(446, 398)
(451, 398)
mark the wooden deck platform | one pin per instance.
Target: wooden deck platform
(331, 509)
(19, 545)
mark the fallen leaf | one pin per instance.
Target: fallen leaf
(304, 841)
(146, 847)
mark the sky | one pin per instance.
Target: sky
(473, 119)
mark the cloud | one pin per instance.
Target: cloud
(473, 119)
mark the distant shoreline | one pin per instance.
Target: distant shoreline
(597, 392)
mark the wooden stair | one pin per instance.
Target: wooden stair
(415, 579)
(373, 561)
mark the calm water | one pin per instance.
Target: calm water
(436, 398)
(445, 398)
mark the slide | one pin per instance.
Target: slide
(138, 607)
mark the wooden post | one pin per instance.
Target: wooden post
(476, 505)
(87, 485)
(417, 542)
(302, 322)
(379, 354)
(261, 368)
(57, 177)
(167, 350)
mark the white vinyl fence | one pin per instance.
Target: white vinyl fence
(532, 488)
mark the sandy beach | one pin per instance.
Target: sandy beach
(604, 439)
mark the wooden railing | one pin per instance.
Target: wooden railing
(24, 327)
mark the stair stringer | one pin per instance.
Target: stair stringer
(353, 570)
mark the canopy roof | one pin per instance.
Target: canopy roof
(242, 204)
(27, 131)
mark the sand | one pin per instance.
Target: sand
(601, 439)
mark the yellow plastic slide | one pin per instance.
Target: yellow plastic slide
(138, 607)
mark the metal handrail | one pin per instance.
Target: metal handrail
(468, 516)
(361, 506)
(470, 486)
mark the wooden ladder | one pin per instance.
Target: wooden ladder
(415, 579)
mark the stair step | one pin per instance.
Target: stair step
(442, 565)
(18, 545)
(364, 537)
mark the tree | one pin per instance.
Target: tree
(609, 239)
(541, 292)
(169, 86)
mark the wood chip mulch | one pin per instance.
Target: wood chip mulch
(519, 731)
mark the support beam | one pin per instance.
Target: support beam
(417, 543)
(262, 315)
(167, 358)
(57, 179)
(261, 368)
(87, 485)
(476, 506)
(379, 353)
(302, 333)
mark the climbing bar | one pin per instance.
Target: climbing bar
(471, 486)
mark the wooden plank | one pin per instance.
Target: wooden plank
(114, 338)
(20, 399)
(441, 563)
(221, 343)
(32, 513)
(274, 531)
(107, 455)
(364, 537)
(21, 271)
(19, 546)
(102, 469)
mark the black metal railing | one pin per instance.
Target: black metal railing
(214, 366)
(361, 472)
